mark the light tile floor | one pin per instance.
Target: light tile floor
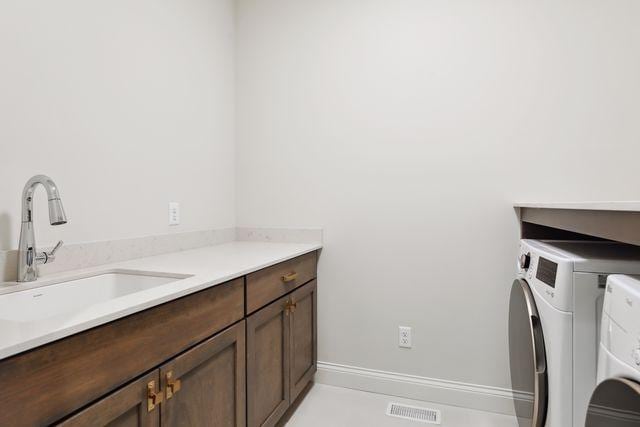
(328, 406)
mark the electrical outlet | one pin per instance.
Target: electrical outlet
(404, 336)
(174, 213)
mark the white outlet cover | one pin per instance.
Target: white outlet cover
(174, 213)
(404, 337)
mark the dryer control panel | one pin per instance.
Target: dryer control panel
(620, 332)
(548, 272)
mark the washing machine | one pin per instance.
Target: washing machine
(616, 400)
(554, 316)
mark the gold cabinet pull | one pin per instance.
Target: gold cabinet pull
(153, 398)
(290, 277)
(173, 386)
(290, 307)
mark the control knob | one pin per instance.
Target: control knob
(525, 261)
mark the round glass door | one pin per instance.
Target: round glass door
(615, 403)
(527, 357)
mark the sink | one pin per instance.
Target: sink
(69, 296)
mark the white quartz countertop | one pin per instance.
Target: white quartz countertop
(627, 206)
(206, 267)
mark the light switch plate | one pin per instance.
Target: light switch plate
(174, 213)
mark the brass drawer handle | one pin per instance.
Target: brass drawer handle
(290, 277)
(173, 386)
(153, 398)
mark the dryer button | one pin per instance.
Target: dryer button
(636, 356)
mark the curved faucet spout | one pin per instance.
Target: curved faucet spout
(56, 211)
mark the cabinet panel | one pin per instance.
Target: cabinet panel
(206, 385)
(271, 283)
(126, 407)
(86, 366)
(268, 364)
(304, 353)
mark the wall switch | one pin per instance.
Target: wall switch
(174, 213)
(404, 336)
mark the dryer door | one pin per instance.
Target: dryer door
(615, 403)
(527, 357)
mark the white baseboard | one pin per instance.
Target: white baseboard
(485, 398)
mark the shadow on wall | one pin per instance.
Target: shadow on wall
(5, 231)
(8, 258)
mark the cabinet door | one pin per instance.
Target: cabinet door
(304, 354)
(206, 385)
(268, 354)
(126, 407)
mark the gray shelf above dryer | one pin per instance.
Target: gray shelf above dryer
(617, 221)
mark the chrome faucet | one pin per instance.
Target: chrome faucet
(28, 257)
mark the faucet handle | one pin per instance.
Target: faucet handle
(51, 255)
(55, 248)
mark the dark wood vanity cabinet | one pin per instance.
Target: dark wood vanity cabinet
(281, 354)
(206, 385)
(201, 360)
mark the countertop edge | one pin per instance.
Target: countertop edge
(620, 206)
(30, 344)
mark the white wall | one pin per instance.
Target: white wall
(127, 105)
(406, 129)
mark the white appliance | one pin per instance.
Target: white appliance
(616, 400)
(554, 312)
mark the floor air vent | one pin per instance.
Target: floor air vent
(414, 413)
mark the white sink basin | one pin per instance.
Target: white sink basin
(66, 297)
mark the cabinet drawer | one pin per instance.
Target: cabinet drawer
(271, 283)
(59, 378)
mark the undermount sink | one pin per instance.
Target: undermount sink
(66, 297)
